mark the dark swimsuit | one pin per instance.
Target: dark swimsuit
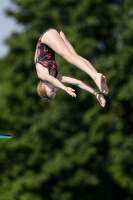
(45, 55)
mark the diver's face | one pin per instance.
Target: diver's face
(51, 90)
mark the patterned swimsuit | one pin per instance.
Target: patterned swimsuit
(45, 55)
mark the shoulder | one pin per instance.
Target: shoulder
(59, 77)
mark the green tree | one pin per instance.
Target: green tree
(68, 148)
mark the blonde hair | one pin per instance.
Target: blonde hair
(41, 90)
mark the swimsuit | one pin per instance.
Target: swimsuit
(45, 55)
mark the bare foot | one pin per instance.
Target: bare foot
(101, 83)
(101, 99)
(104, 85)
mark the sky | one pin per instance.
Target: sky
(7, 26)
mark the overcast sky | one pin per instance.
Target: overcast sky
(7, 26)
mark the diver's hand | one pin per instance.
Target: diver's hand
(70, 91)
(100, 98)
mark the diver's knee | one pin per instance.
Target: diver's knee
(69, 57)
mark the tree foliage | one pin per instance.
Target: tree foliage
(68, 148)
